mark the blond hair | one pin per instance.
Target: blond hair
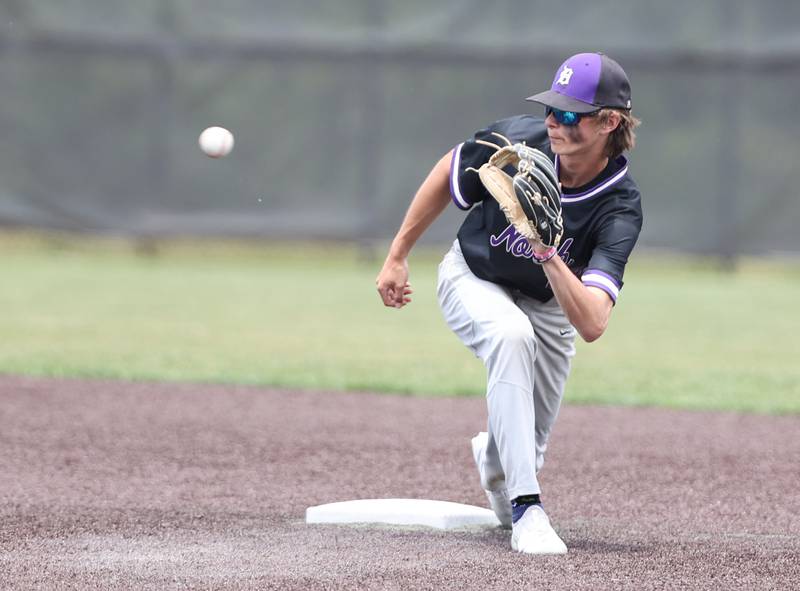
(623, 138)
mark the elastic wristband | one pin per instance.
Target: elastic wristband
(546, 256)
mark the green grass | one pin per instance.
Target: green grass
(683, 335)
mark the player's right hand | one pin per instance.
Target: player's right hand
(392, 283)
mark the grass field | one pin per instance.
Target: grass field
(683, 334)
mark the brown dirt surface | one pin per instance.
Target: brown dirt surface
(111, 485)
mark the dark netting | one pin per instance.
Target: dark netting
(340, 109)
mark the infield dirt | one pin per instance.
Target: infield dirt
(109, 485)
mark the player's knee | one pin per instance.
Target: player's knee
(511, 332)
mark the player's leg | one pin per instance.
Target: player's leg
(492, 478)
(531, 529)
(486, 319)
(556, 340)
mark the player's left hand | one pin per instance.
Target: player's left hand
(531, 199)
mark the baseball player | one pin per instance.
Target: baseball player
(517, 303)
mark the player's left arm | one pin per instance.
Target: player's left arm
(587, 308)
(587, 301)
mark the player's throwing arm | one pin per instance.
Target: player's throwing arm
(428, 203)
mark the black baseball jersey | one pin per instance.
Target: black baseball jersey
(602, 219)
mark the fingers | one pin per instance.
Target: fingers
(392, 284)
(393, 296)
(407, 291)
(400, 296)
(385, 289)
(387, 294)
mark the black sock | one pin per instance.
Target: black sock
(521, 503)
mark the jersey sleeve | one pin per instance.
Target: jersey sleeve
(466, 188)
(615, 241)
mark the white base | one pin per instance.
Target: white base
(438, 514)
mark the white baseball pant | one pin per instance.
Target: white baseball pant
(526, 346)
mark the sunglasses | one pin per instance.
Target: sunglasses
(569, 118)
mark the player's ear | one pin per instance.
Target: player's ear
(609, 120)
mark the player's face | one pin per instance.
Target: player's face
(587, 137)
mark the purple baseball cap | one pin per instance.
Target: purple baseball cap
(586, 82)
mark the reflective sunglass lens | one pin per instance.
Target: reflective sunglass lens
(569, 117)
(564, 117)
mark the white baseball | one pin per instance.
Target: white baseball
(216, 142)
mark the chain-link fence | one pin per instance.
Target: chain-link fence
(340, 109)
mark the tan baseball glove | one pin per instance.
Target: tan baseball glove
(531, 199)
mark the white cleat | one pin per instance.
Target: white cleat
(498, 500)
(532, 534)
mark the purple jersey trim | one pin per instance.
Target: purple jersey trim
(569, 199)
(601, 280)
(605, 288)
(455, 190)
(604, 274)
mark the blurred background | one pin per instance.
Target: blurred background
(341, 109)
(127, 253)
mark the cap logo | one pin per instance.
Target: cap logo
(564, 76)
